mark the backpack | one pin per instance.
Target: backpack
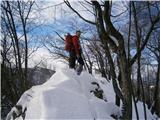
(68, 42)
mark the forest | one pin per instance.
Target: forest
(120, 41)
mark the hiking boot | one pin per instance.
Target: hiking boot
(79, 69)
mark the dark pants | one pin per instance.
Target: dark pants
(73, 58)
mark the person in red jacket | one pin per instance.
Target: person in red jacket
(75, 53)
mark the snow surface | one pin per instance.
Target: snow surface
(67, 96)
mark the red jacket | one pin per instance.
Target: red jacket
(76, 44)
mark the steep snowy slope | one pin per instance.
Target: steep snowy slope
(65, 96)
(68, 96)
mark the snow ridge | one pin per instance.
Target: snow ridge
(68, 96)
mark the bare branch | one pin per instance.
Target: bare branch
(145, 41)
(119, 13)
(68, 4)
(148, 5)
(59, 35)
(31, 4)
(86, 8)
(88, 2)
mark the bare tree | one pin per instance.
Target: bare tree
(154, 47)
(138, 42)
(109, 35)
(15, 17)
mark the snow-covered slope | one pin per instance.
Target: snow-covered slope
(67, 96)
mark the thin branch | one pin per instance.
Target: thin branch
(88, 2)
(86, 8)
(149, 10)
(119, 13)
(59, 35)
(68, 4)
(40, 9)
(31, 4)
(145, 41)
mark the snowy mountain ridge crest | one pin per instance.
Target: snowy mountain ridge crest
(67, 96)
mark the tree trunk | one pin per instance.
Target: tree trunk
(126, 85)
(148, 99)
(139, 79)
(156, 106)
(24, 21)
(13, 27)
(157, 93)
(125, 76)
(120, 83)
